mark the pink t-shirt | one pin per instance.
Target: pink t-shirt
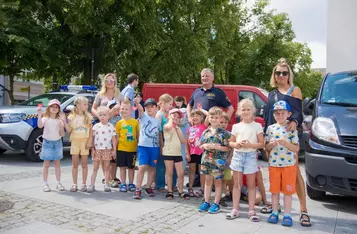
(194, 134)
(51, 129)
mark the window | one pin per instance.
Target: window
(45, 98)
(258, 101)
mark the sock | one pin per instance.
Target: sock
(45, 182)
(275, 213)
(287, 215)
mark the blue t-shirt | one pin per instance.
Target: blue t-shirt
(209, 98)
(150, 128)
(128, 91)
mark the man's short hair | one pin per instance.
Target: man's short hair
(132, 77)
(208, 70)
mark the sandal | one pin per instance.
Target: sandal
(190, 192)
(132, 187)
(199, 193)
(60, 187)
(46, 188)
(233, 215)
(123, 188)
(253, 216)
(184, 195)
(287, 221)
(74, 188)
(268, 209)
(169, 195)
(162, 190)
(273, 218)
(305, 219)
(84, 188)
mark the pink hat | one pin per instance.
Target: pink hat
(53, 102)
(175, 110)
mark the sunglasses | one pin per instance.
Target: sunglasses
(109, 81)
(279, 73)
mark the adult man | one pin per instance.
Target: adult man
(128, 91)
(208, 96)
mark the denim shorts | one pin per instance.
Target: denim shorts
(51, 150)
(245, 162)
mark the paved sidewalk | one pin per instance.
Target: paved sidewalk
(64, 212)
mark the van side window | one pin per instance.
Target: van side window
(258, 101)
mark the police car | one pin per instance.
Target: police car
(18, 123)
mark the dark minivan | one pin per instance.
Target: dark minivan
(331, 157)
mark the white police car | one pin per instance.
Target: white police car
(18, 123)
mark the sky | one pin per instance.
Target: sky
(309, 22)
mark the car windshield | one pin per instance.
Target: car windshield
(45, 98)
(340, 89)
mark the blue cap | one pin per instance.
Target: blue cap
(281, 105)
(150, 101)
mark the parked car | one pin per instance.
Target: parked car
(18, 123)
(331, 157)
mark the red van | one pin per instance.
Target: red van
(235, 93)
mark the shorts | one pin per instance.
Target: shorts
(245, 162)
(176, 159)
(196, 158)
(282, 179)
(126, 159)
(103, 154)
(227, 174)
(148, 155)
(214, 168)
(244, 190)
(51, 150)
(78, 147)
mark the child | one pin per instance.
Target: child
(165, 104)
(284, 147)
(172, 152)
(148, 146)
(128, 132)
(227, 183)
(214, 142)
(80, 127)
(52, 149)
(247, 137)
(104, 146)
(193, 150)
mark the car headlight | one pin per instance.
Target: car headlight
(324, 129)
(11, 117)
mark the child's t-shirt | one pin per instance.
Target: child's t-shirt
(150, 128)
(281, 156)
(127, 131)
(51, 129)
(79, 129)
(103, 136)
(247, 131)
(114, 120)
(172, 144)
(194, 134)
(220, 137)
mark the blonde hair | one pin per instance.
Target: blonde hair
(103, 90)
(75, 111)
(282, 63)
(197, 112)
(225, 116)
(215, 111)
(103, 109)
(165, 98)
(48, 114)
(126, 102)
(244, 102)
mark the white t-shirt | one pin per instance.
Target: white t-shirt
(249, 132)
(51, 129)
(103, 136)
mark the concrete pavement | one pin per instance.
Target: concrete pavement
(64, 212)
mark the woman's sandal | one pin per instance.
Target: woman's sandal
(268, 209)
(74, 188)
(190, 192)
(184, 195)
(305, 219)
(253, 216)
(199, 193)
(233, 215)
(169, 195)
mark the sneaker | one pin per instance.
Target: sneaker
(90, 189)
(223, 203)
(113, 184)
(123, 188)
(149, 192)
(214, 209)
(132, 187)
(205, 206)
(60, 187)
(137, 194)
(106, 188)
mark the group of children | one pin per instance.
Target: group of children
(221, 155)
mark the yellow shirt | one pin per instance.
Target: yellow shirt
(127, 131)
(79, 129)
(172, 143)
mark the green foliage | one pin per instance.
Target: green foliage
(309, 82)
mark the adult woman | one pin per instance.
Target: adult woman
(282, 80)
(109, 92)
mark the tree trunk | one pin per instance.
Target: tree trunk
(11, 93)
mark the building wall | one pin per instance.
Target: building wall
(341, 35)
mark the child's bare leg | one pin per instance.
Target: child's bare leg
(237, 185)
(84, 161)
(218, 191)
(192, 167)
(95, 171)
(224, 186)
(208, 187)
(123, 174)
(58, 170)
(180, 175)
(202, 180)
(169, 165)
(287, 204)
(75, 162)
(46, 165)
(106, 171)
(251, 191)
(113, 171)
(258, 198)
(151, 175)
(102, 165)
(275, 201)
(140, 176)
(131, 173)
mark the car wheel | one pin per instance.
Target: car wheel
(34, 145)
(314, 194)
(2, 151)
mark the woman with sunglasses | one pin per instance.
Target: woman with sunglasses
(282, 80)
